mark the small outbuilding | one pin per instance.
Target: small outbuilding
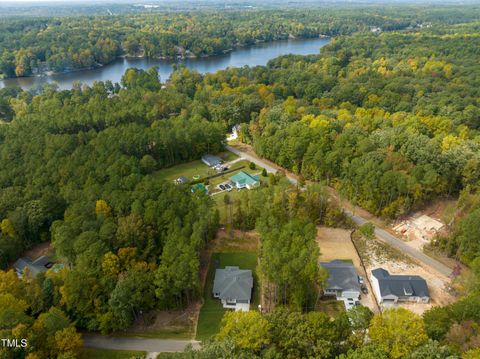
(181, 180)
(199, 187)
(233, 286)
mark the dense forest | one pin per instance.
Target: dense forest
(396, 333)
(30, 45)
(389, 119)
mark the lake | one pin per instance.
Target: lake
(255, 55)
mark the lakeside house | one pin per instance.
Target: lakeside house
(244, 180)
(233, 286)
(391, 289)
(39, 265)
(342, 282)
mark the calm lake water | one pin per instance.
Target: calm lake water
(256, 55)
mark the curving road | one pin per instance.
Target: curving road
(403, 247)
(260, 162)
(379, 232)
(140, 344)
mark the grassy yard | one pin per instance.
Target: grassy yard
(332, 307)
(213, 182)
(212, 311)
(90, 353)
(188, 170)
(191, 169)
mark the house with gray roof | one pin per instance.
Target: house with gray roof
(39, 265)
(211, 160)
(391, 289)
(342, 282)
(233, 286)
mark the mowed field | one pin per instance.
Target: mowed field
(193, 168)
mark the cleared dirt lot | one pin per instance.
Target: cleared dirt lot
(377, 255)
(335, 243)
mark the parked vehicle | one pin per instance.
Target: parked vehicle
(360, 279)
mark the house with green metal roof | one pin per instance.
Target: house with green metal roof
(244, 180)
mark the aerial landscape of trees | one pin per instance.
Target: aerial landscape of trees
(33, 45)
(390, 119)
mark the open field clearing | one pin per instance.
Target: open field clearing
(193, 168)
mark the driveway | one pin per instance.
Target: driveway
(141, 344)
(379, 232)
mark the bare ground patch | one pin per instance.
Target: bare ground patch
(166, 324)
(376, 254)
(38, 250)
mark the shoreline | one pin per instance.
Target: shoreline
(163, 58)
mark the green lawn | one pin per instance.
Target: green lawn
(90, 353)
(191, 169)
(330, 306)
(212, 311)
(188, 170)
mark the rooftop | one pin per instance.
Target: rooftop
(233, 283)
(243, 177)
(199, 187)
(342, 275)
(41, 264)
(400, 285)
(211, 160)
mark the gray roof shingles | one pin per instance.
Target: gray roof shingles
(342, 276)
(233, 283)
(400, 285)
(35, 267)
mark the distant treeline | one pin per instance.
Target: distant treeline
(31, 45)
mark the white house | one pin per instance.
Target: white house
(233, 286)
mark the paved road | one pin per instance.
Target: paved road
(380, 233)
(403, 247)
(141, 344)
(260, 162)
